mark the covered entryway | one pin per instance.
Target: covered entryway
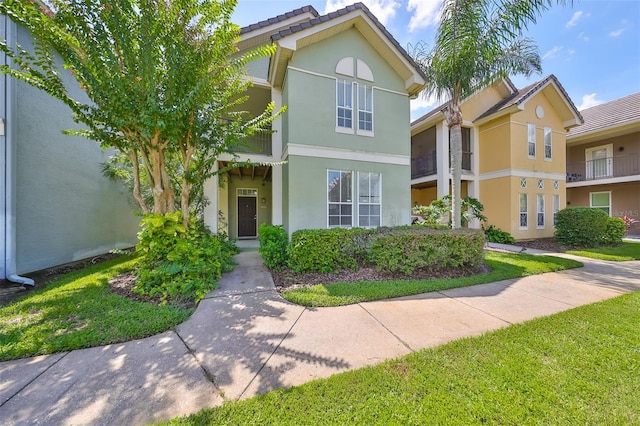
(247, 213)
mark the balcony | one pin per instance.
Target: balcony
(424, 165)
(604, 168)
(259, 143)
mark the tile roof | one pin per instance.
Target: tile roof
(279, 18)
(618, 112)
(523, 94)
(332, 15)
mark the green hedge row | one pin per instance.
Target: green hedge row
(403, 249)
(588, 227)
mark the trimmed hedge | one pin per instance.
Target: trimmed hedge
(392, 249)
(581, 226)
(615, 231)
(273, 246)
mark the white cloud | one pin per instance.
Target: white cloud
(576, 17)
(422, 105)
(589, 101)
(582, 36)
(425, 13)
(616, 33)
(384, 10)
(553, 53)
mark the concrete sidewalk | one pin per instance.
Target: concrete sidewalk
(244, 339)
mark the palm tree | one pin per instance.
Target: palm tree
(477, 42)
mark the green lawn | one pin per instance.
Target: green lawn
(504, 266)
(579, 367)
(621, 253)
(77, 311)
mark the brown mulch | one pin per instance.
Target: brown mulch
(288, 280)
(122, 284)
(548, 244)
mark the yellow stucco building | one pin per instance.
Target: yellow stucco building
(514, 155)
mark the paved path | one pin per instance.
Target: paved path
(244, 340)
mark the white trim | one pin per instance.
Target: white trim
(599, 207)
(588, 154)
(544, 219)
(353, 197)
(545, 131)
(363, 72)
(317, 74)
(257, 220)
(535, 137)
(357, 198)
(605, 181)
(345, 66)
(521, 173)
(344, 130)
(346, 154)
(526, 196)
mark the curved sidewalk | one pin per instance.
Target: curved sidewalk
(244, 339)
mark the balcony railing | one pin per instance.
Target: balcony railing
(424, 165)
(604, 168)
(259, 143)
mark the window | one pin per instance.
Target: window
(556, 185)
(540, 183)
(540, 212)
(531, 140)
(345, 104)
(599, 162)
(556, 206)
(524, 219)
(523, 182)
(547, 143)
(601, 200)
(369, 199)
(340, 200)
(365, 108)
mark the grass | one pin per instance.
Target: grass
(503, 266)
(578, 367)
(77, 310)
(620, 253)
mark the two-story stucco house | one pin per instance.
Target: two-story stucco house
(514, 158)
(344, 138)
(603, 159)
(55, 204)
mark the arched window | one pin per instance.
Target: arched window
(360, 81)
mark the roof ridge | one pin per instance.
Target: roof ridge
(280, 18)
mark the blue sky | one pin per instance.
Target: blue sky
(592, 47)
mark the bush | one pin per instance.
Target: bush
(179, 262)
(615, 231)
(581, 226)
(497, 235)
(407, 250)
(273, 246)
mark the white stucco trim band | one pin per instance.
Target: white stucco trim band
(607, 181)
(345, 154)
(521, 173)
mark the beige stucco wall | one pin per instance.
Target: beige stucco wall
(495, 145)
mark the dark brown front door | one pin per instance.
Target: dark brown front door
(247, 218)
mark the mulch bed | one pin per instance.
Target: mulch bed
(547, 244)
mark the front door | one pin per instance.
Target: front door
(247, 217)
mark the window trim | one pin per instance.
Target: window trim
(588, 154)
(548, 132)
(531, 142)
(591, 194)
(370, 204)
(521, 212)
(350, 84)
(359, 131)
(555, 199)
(538, 212)
(340, 203)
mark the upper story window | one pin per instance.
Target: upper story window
(531, 140)
(354, 93)
(547, 143)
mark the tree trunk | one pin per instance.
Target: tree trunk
(454, 121)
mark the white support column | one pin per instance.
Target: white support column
(276, 152)
(211, 210)
(442, 157)
(473, 186)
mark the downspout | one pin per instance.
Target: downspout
(10, 160)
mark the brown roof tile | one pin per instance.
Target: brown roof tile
(611, 114)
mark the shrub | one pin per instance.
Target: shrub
(581, 226)
(615, 231)
(179, 262)
(273, 246)
(407, 250)
(497, 235)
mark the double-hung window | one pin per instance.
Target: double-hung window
(601, 200)
(531, 140)
(344, 104)
(547, 143)
(524, 218)
(369, 199)
(540, 212)
(556, 206)
(340, 199)
(365, 108)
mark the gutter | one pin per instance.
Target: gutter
(10, 167)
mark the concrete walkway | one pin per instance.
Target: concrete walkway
(244, 340)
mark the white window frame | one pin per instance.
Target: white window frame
(524, 212)
(548, 144)
(369, 202)
(362, 108)
(540, 219)
(591, 194)
(340, 203)
(531, 140)
(556, 206)
(347, 88)
(588, 154)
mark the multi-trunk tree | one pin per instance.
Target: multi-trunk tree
(163, 80)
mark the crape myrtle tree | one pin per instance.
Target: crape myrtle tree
(163, 82)
(476, 42)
